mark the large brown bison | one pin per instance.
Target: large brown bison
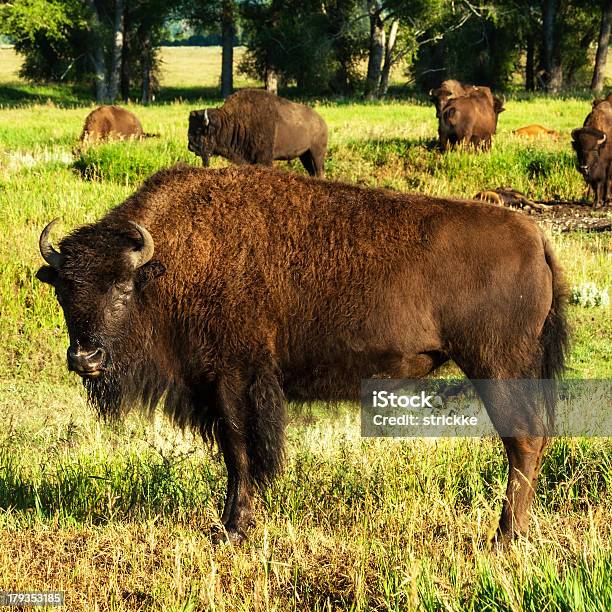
(257, 127)
(226, 293)
(470, 119)
(112, 123)
(593, 146)
(479, 113)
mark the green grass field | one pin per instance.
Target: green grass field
(118, 516)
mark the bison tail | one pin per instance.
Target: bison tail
(266, 429)
(555, 336)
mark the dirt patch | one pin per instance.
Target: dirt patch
(559, 216)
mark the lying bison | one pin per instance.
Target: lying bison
(112, 123)
(224, 294)
(535, 131)
(470, 119)
(257, 127)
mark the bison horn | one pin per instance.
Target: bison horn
(145, 253)
(206, 119)
(54, 258)
(602, 139)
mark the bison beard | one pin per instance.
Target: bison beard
(264, 286)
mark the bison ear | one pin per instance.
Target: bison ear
(149, 272)
(47, 274)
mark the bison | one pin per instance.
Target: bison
(224, 294)
(111, 123)
(594, 155)
(451, 90)
(534, 131)
(593, 149)
(257, 127)
(470, 119)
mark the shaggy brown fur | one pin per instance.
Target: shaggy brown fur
(111, 123)
(267, 285)
(470, 119)
(257, 127)
(535, 130)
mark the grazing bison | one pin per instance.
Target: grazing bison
(535, 130)
(112, 123)
(226, 293)
(257, 127)
(470, 119)
(594, 154)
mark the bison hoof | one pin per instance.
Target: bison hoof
(227, 535)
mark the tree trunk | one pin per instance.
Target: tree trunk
(115, 75)
(228, 31)
(377, 49)
(97, 56)
(272, 81)
(126, 72)
(601, 56)
(553, 71)
(530, 64)
(388, 64)
(146, 70)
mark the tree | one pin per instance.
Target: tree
(316, 45)
(377, 48)
(601, 56)
(213, 17)
(115, 74)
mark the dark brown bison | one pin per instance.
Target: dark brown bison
(112, 123)
(593, 146)
(226, 293)
(470, 119)
(257, 127)
(594, 156)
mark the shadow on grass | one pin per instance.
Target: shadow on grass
(14, 96)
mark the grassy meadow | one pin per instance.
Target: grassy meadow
(118, 516)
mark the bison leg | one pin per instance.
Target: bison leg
(318, 159)
(598, 188)
(238, 511)
(513, 411)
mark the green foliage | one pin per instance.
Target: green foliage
(51, 34)
(312, 44)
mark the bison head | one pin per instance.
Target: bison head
(202, 136)
(589, 144)
(98, 276)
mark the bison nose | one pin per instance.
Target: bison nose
(86, 363)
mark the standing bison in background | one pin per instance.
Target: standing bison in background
(593, 146)
(470, 119)
(225, 293)
(257, 127)
(479, 107)
(111, 123)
